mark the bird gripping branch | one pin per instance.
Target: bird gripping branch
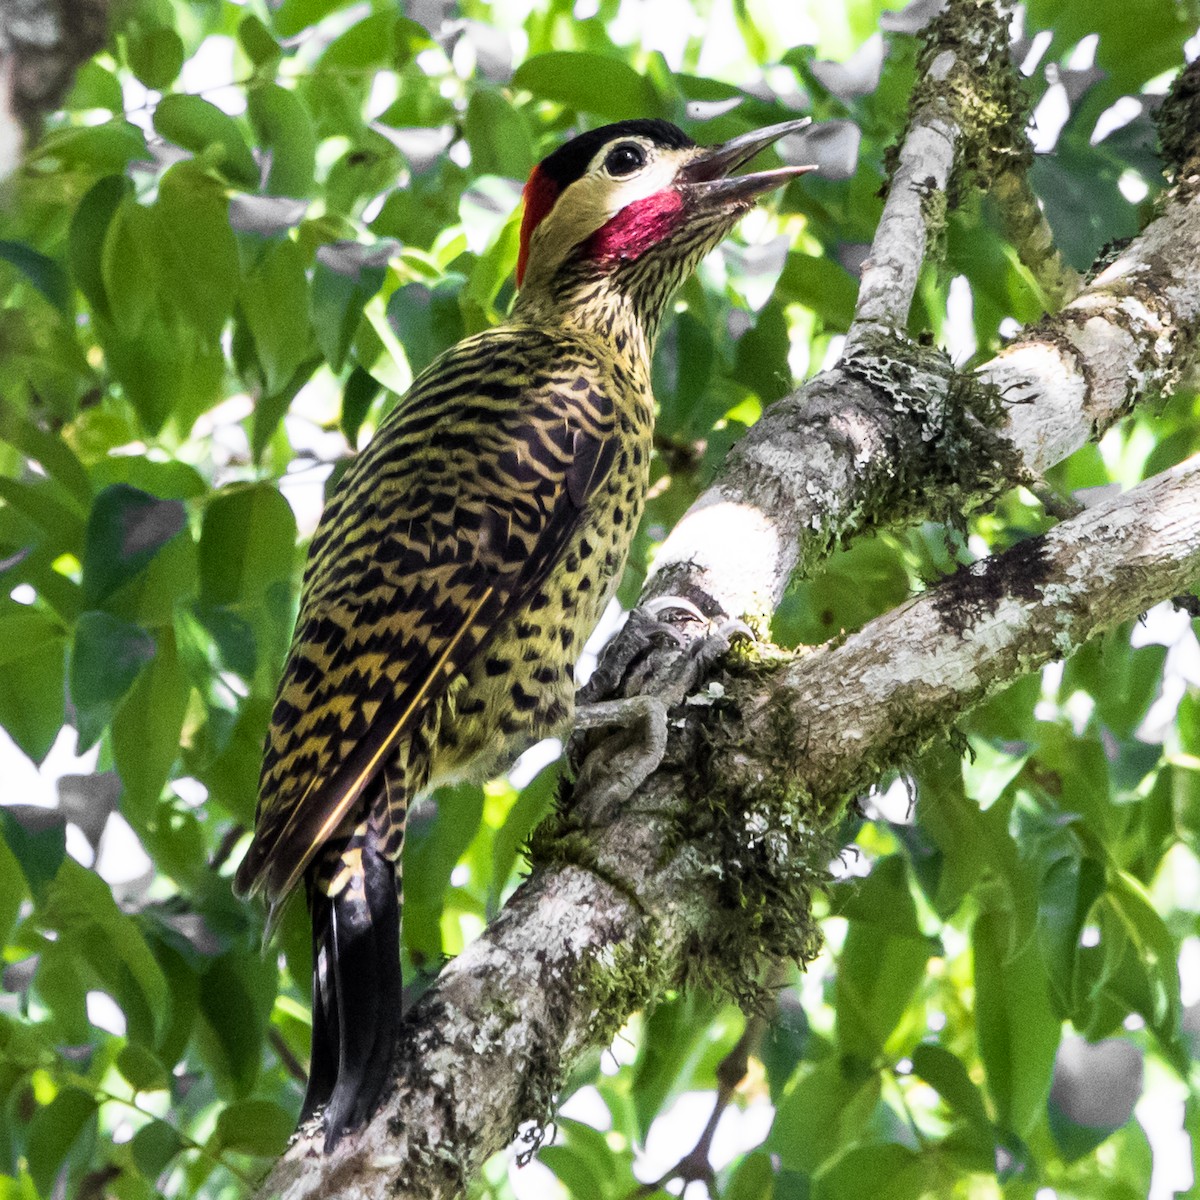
(465, 557)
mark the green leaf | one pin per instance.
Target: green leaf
(183, 983)
(590, 82)
(761, 362)
(95, 87)
(1157, 952)
(1070, 886)
(247, 543)
(974, 845)
(81, 908)
(882, 961)
(588, 1165)
(433, 847)
(233, 636)
(821, 284)
(155, 55)
(372, 42)
(892, 1171)
(89, 227)
(361, 389)
(855, 585)
(1122, 681)
(823, 1113)
(32, 680)
(236, 994)
(142, 1069)
(129, 266)
(13, 888)
(39, 852)
(285, 129)
(43, 503)
(255, 1127)
(342, 284)
(427, 320)
(126, 529)
(100, 148)
(163, 375)
(754, 1179)
(168, 480)
(945, 1073)
(256, 40)
(232, 775)
(60, 985)
(1017, 1030)
(53, 1133)
(269, 410)
(154, 1145)
(146, 731)
(200, 273)
(499, 136)
(292, 16)
(684, 384)
(201, 127)
(44, 273)
(534, 802)
(274, 299)
(788, 1040)
(107, 656)
(55, 457)
(1129, 52)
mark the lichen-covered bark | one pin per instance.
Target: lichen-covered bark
(861, 442)
(705, 871)
(909, 674)
(579, 946)
(1126, 337)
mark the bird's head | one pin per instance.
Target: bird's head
(637, 203)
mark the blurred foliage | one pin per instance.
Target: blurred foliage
(248, 227)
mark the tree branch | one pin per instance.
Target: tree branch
(916, 669)
(895, 434)
(581, 944)
(685, 881)
(1026, 227)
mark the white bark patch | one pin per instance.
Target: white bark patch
(737, 543)
(889, 275)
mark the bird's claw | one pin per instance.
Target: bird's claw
(664, 604)
(606, 781)
(652, 652)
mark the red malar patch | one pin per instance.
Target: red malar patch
(539, 196)
(636, 228)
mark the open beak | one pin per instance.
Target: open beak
(707, 177)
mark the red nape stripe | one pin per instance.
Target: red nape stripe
(636, 228)
(539, 196)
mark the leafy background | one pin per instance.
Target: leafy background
(245, 231)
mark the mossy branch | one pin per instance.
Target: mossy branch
(572, 954)
(688, 881)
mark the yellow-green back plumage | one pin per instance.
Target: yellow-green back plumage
(464, 558)
(446, 528)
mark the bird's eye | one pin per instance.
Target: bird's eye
(624, 159)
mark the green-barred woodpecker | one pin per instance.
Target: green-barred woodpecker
(465, 557)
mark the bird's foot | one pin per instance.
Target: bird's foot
(653, 640)
(651, 667)
(622, 762)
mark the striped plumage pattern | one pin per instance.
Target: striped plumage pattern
(461, 564)
(493, 509)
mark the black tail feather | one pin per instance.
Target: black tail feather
(356, 997)
(322, 1070)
